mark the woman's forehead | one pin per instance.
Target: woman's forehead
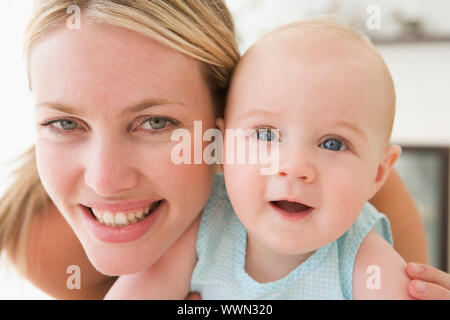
(102, 65)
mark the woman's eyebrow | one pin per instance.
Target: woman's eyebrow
(129, 110)
(148, 104)
(60, 107)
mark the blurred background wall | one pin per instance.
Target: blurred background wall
(412, 35)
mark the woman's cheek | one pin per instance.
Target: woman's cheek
(57, 168)
(185, 183)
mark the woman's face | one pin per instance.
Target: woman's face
(107, 101)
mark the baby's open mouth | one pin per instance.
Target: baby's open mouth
(121, 219)
(289, 206)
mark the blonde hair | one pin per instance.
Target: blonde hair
(22, 198)
(201, 29)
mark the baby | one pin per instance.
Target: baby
(321, 95)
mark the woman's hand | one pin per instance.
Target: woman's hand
(428, 283)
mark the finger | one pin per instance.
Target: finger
(427, 291)
(428, 274)
(193, 296)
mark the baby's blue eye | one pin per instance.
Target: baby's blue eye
(333, 145)
(266, 134)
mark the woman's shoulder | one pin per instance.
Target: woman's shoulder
(48, 263)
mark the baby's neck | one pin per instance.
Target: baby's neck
(265, 265)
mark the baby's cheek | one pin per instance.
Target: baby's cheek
(245, 187)
(348, 195)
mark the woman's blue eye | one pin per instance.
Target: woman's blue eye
(64, 124)
(156, 123)
(68, 124)
(266, 134)
(333, 145)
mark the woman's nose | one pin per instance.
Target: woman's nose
(108, 170)
(299, 165)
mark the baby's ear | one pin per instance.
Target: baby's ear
(390, 156)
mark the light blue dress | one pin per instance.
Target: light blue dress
(221, 243)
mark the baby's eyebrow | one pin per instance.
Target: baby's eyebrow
(258, 112)
(352, 127)
(337, 123)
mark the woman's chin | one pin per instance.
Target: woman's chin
(116, 260)
(119, 264)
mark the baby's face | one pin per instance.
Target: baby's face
(326, 98)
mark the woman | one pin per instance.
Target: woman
(107, 98)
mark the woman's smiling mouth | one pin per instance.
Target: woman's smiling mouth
(121, 219)
(121, 226)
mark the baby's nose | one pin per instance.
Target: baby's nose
(298, 166)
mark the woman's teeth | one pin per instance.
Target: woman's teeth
(122, 219)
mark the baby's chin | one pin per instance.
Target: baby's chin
(307, 248)
(312, 241)
(305, 244)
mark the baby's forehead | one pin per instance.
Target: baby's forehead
(312, 55)
(336, 52)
